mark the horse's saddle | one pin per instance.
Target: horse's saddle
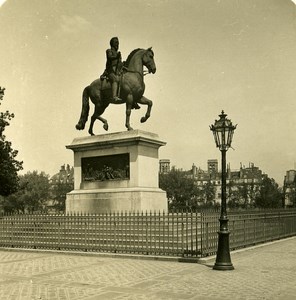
(104, 76)
(106, 84)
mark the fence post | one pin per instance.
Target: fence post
(182, 236)
(186, 232)
(150, 232)
(59, 235)
(163, 232)
(279, 225)
(85, 236)
(254, 230)
(264, 233)
(168, 233)
(147, 252)
(232, 236)
(244, 232)
(159, 232)
(196, 233)
(202, 233)
(11, 236)
(115, 250)
(207, 237)
(191, 233)
(34, 237)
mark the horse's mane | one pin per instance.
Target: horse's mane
(126, 63)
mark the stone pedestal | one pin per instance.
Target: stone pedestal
(116, 172)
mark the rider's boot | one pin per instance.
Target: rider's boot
(136, 105)
(114, 92)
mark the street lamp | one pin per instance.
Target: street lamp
(223, 132)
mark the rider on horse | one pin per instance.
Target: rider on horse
(113, 67)
(113, 71)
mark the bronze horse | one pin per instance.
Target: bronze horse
(132, 88)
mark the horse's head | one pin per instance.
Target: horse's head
(148, 60)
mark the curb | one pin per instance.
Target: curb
(206, 260)
(200, 260)
(107, 254)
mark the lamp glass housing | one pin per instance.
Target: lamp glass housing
(223, 132)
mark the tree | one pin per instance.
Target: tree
(233, 198)
(292, 196)
(243, 195)
(9, 166)
(269, 195)
(61, 184)
(208, 193)
(180, 189)
(59, 193)
(32, 194)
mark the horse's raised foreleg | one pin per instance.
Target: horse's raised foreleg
(129, 103)
(149, 104)
(105, 122)
(97, 115)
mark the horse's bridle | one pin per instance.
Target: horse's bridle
(145, 72)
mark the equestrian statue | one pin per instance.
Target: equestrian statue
(120, 83)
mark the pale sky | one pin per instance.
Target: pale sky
(236, 55)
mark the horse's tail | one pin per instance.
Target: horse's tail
(85, 110)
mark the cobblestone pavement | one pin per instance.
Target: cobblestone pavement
(266, 272)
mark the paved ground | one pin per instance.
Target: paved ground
(265, 272)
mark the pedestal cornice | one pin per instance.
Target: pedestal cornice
(116, 139)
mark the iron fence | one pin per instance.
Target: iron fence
(183, 234)
(248, 228)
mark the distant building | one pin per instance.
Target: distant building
(65, 175)
(62, 182)
(246, 180)
(289, 188)
(164, 166)
(213, 166)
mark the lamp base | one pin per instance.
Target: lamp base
(223, 260)
(223, 267)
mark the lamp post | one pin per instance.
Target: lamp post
(223, 132)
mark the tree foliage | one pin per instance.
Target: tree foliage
(269, 195)
(61, 184)
(32, 194)
(242, 195)
(9, 165)
(183, 193)
(208, 192)
(179, 188)
(59, 193)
